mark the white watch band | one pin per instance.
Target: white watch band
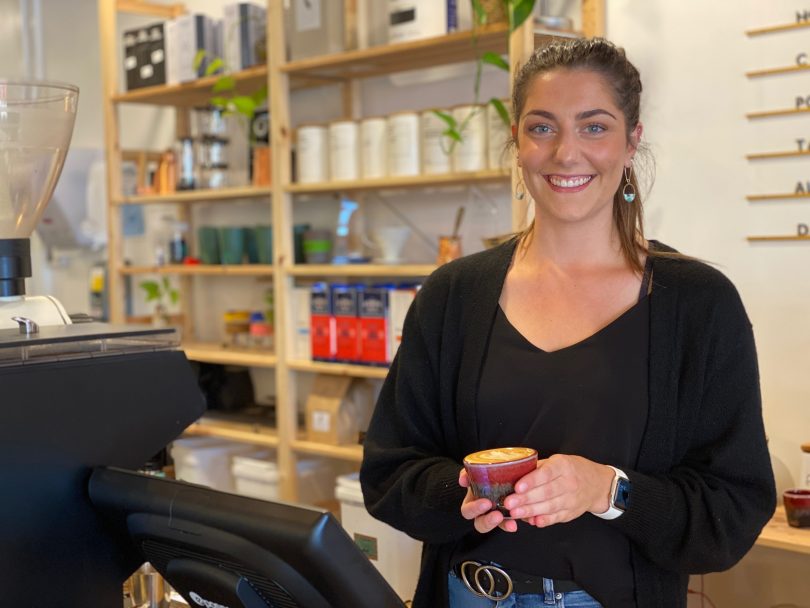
(613, 512)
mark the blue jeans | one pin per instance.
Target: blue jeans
(461, 597)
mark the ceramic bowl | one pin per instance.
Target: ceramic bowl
(797, 507)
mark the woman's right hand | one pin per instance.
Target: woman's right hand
(480, 510)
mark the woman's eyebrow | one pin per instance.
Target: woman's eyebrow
(581, 116)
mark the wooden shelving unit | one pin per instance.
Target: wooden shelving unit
(195, 196)
(778, 534)
(282, 78)
(392, 183)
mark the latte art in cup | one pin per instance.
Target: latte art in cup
(494, 472)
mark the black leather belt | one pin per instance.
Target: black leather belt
(495, 583)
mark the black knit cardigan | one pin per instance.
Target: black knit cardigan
(703, 488)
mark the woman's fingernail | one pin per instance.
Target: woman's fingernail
(517, 512)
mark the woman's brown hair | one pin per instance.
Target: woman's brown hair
(605, 58)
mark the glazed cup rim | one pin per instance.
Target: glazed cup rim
(797, 493)
(532, 456)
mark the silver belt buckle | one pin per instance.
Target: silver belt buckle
(489, 571)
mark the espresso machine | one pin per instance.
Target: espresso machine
(75, 395)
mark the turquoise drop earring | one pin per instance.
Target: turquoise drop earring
(629, 190)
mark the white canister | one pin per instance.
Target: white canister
(344, 150)
(312, 161)
(403, 144)
(436, 147)
(804, 480)
(470, 154)
(498, 134)
(373, 148)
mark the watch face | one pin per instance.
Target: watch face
(622, 498)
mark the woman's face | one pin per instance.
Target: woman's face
(573, 144)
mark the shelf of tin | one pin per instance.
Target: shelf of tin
(338, 369)
(207, 195)
(778, 534)
(246, 432)
(772, 29)
(228, 355)
(771, 113)
(380, 60)
(195, 93)
(234, 270)
(411, 181)
(790, 69)
(150, 9)
(351, 453)
(770, 155)
(777, 197)
(793, 237)
(361, 270)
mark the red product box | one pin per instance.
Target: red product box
(322, 324)
(347, 323)
(374, 326)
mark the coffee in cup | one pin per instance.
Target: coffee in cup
(494, 472)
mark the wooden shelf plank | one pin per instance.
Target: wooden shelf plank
(361, 270)
(794, 237)
(196, 196)
(195, 93)
(415, 181)
(228, 355)
(778, 534)
(150, 9)
(388, 59)
(338, 369)
(791, 69)
(254, 433)
(772, 29)
(352, 453)
(240, 270)
(771, 113)
(768, 155)
(777, 197)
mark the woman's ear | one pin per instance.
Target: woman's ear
(635, 137)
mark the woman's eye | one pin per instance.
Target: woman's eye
(540, 129)
(594, 128)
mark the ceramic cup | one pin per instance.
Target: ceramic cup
(494, 472)
(231, 245)
(208, 241)
(391, 240)
(264, 243)
(449, 249)
(797, 507)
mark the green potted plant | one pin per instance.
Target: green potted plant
(163, 294)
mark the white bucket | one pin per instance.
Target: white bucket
(206, 461)
(498, 133)
(312, 161)
(436, 147)
(373, 148)
(470, 154)
(395, 554)
(403, 148)
(344, 151)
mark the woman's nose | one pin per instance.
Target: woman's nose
(566, 149)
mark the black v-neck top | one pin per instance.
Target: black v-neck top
(588, 399)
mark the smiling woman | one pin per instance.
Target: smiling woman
(630, 369)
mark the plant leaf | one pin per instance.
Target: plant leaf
(449, 119)
(452, 134)
(244, 105)
(480, 15)
(260, 96)
(174, 296)
(198, 58)
(214, 66)
(220, 102)
(519, 10)
(494, 59)
(152, 290)
(502, 111)
(224, 83)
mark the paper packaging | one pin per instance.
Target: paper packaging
(315, 27)
(244, 32)
(323, 408)
(322, 324)
(301, 306)
(374, 338)
(145, 56)
(347, 323)
(416, 19)
(185, 36)
(400, 300)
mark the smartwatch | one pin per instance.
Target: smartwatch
(619, 495)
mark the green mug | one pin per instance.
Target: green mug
(208, 243)
(231, 245)
(263, 236)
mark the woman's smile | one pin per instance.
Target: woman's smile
(568, 183)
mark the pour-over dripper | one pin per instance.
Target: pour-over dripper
(36, 123)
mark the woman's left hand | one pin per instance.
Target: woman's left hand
(560, 489)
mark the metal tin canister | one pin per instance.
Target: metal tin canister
(313, 154)
(344, 150)
(373, 147)
(403, 149)
(470, 154)
(804, 480)
(498, 134)
(436, 147)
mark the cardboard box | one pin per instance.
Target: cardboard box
(185, 36)
(145, 56)
(347, 323)
(323, 409)
(244, 35)
(322, 324)
(301, 307)
(374, 337)
(400, 301)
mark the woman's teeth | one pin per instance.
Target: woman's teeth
(569, 183)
